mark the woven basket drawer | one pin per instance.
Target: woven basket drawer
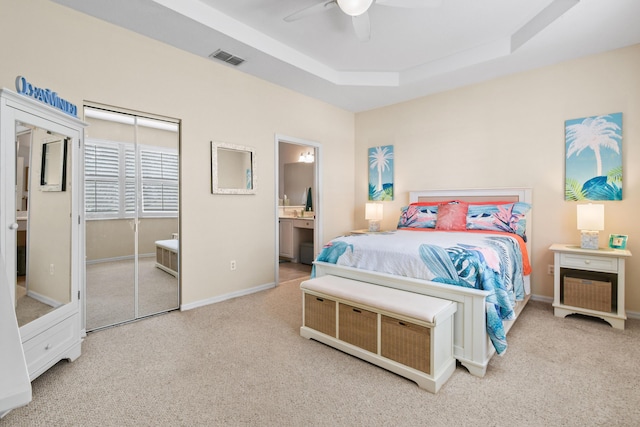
(591, 294)
(358, 327)
(173, 263)
(320, 314)
(406, 343)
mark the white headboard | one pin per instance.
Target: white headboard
(473, 195)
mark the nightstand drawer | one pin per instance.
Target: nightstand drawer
(589, 262)
(303, 223)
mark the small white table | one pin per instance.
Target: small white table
(366, 231)
(568, 258)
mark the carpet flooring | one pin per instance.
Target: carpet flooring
(242, 362)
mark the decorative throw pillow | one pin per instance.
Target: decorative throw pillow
(418, 216)
(508, 217)
(452, 216)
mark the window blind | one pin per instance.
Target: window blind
(110, 180)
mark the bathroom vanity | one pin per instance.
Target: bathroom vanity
(294, 231)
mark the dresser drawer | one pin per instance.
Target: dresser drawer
(39, 350)
(586, 262)
(303, 223)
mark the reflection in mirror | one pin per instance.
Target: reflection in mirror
(44, 227)
(298, 179)
(233, 169)
(131, 239)
(53, 168)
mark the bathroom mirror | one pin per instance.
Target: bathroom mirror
(54, 165)
(233, 169)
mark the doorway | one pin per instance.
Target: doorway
(298, 209)
(132, 216)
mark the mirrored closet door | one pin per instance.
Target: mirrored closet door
(132, 216)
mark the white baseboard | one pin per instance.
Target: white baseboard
(220, 298)
(44, 299)
(542, 298)
(120, 258)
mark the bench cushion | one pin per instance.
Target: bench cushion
(171, 244)
(410, 304)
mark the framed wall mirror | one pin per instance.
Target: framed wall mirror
(233, 169)
(54, 165)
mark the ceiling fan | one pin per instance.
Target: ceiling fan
(359, 11)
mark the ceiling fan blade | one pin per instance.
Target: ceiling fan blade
(362, 26)
(413, 4)
(311, 10)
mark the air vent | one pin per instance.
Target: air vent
(226, 57)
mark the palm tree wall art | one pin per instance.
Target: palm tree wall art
(381, 173)
(593, 147)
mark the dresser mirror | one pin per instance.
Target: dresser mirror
(43, 215)
(233, 169)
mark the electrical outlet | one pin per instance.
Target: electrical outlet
(550, 269)
(232, 265)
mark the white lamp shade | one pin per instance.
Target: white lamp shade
(354, 7)
(373, 211)
(591, 217)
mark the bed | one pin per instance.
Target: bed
(482, 255)
(167, 255)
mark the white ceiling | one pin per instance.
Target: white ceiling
(411, 52)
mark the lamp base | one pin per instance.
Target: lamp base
(374, 225)
(589, 239)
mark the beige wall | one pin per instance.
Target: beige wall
(506, 132)
(83, 58)
(509, 132)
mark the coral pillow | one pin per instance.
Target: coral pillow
(452, 216)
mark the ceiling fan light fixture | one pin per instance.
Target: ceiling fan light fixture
(354, 7)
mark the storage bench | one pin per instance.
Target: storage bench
(167, 256)
(406, 333)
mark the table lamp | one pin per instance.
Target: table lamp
(590, 221)
(373, 213)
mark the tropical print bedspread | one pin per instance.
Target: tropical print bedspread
(491, 262)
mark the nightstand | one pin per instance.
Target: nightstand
(589, 282)
(366, 231)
